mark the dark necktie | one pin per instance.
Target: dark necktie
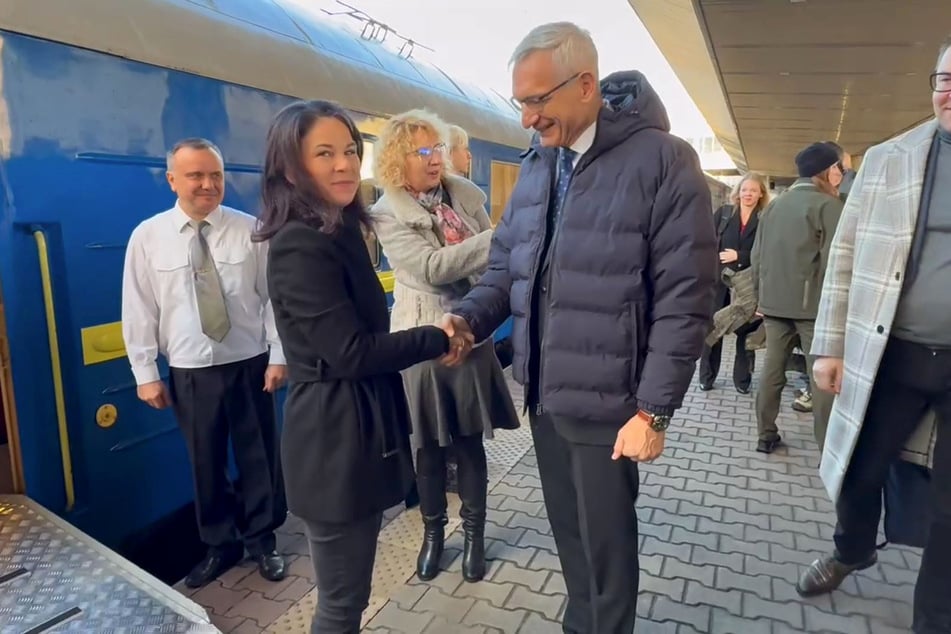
(565, 166)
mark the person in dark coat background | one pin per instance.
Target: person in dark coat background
(736, 228)
(345, 443)
(606, 258)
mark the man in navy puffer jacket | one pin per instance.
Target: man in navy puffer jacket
(606, 257)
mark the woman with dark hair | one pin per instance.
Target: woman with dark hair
(345, 443)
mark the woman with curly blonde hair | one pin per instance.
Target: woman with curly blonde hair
(435, 232)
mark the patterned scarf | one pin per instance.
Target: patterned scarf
(453, 229)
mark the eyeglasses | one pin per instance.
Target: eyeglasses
(537, 103)
(940, 82)
(427, 153)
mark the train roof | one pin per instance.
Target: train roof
(272, 45)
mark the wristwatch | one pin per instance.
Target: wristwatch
(657, 422)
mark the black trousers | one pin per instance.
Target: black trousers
(911, 379)
(342, 555)
(213, 404)
(743, 359)
(590, 501)
(472, 472)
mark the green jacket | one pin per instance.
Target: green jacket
(791, 250)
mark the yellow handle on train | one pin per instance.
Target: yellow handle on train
(56, 367)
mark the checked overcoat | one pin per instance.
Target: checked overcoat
(863, 283)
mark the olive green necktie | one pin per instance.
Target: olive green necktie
(211, 300)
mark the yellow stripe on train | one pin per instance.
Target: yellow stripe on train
(104, 342)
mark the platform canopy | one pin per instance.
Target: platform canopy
(771, 76)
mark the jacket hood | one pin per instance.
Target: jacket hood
(629, 106)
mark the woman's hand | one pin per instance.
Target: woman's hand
(728, 255)
(461, 340)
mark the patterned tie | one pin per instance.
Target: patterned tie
(211, 300)
(566, 159)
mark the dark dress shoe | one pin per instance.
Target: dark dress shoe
(215, 562)
(825, 575)
(271, 566)
(706, 387)
(768, 446)
(743, 389)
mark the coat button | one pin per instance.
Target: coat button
(880, 329)
(897, 275)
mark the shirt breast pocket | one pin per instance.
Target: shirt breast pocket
(234, 268)
(173, 275)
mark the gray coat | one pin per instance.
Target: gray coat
(423, 268)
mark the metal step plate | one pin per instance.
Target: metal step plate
(53, 577)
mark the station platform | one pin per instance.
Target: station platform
(724, 534)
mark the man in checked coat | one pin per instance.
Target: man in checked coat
(883, 346)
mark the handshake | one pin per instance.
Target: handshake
(461, 340)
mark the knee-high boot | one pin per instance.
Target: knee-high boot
(431, 484)
(473, 488)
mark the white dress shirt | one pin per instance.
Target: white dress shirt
(159, 308)
(583, 143)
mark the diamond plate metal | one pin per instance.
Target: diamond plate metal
(68, 569)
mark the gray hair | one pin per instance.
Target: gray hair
(945, 45)
(571, 46)
(457, 137)
(192, 143)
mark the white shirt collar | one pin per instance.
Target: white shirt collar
(181, 219)
(584, 141)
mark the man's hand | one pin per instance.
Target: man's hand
(461, 339)
(828, 373)
(155, 394)
(637, 441)
(274, 377)
(729, 255)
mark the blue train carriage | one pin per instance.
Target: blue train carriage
(92, 94)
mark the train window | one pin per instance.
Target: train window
(369, 193)
(501, 184)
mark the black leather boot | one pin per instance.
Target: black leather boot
(473, 487)
(473, 554)
(430, 554)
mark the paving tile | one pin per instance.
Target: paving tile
(260, 609)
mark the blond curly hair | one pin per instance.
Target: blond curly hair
(396, 141)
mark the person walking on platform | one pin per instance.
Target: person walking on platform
(883, 346)
(345, 445)
(606, 258)
(789, 258)
(435, 233)
(194, 291)
(736, 224)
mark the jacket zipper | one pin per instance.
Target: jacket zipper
(531, 302)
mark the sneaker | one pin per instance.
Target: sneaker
(803, 403)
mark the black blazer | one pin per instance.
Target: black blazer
(345, 442)
(732, 238)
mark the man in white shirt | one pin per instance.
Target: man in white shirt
(194, 290)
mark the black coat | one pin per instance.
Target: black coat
(345, 444)
(727, 221)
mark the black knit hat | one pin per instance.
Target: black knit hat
(815, 159)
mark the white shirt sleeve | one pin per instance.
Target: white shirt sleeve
(260, 287)
(140, 313)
